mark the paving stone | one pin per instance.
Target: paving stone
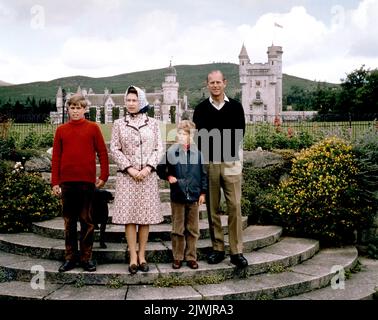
(70, 292)
(15, 290)
(145, 292)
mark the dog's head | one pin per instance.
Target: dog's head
(104, 195)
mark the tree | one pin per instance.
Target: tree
(352, 93)
(172, 112)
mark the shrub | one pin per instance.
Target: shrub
(321, 197)
(7, 147)
(267, 138)
(366, 149)
(92, 114)
(258, 186)
(115, 113)
(46, 140)
(102, 115)
(24, 198)
(30, 141)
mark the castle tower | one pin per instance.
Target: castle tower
(170, 93)
(275, 63)
(59, 100)
(243, 63)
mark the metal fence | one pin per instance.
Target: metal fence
(349, 129)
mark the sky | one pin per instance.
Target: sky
(322, 40)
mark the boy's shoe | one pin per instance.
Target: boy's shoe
(215, 257)
(192, 264)
(67, 266)
(89, 265)
(176, 264)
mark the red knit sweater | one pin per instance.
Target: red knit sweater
(76, 144)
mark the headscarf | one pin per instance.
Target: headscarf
(142, 100)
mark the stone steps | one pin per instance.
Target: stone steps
(54, 228)
(285, 253)
(312, 274)
(33, 245)
(362, 285)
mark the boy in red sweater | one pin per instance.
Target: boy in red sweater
(73, 177)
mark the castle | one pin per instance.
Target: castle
(261, 91)
(261, 85)
(163, 101)
(261, 88)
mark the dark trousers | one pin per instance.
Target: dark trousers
(77, 198)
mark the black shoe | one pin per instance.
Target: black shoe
(144, 267)
(239, 260)
(133, 268)
(89, 265)
(215, 257)
(67, 266)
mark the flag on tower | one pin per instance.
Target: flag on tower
(277, 25)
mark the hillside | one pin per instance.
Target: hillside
(4, 84)
(191, 78)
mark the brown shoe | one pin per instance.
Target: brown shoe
(176, 264)
(192, 264)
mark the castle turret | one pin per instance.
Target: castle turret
(59, 100)
(170, 93)
(243, 63)
(275, 58)
(275, 65)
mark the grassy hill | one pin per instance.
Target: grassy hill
(191, 78)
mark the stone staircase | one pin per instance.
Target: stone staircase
(280, 267)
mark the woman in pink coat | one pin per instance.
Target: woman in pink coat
(136, 148)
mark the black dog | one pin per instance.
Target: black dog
(100, 213)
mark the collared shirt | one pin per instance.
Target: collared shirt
(218, 107)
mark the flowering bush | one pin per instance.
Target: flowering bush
(321, 197)
(24, 198)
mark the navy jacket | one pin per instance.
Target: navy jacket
(188, 168)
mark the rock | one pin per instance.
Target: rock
(262, 159)
(38, 164)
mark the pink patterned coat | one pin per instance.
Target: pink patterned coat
(136, 142)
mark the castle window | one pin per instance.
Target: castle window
(272, 62)
(258, 83)
(258, 95)
(264, 83)
(265, 107)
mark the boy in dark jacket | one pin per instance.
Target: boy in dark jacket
(183, 167)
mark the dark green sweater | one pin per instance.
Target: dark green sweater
(221, 144)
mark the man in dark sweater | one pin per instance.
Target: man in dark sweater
(220, 123)
(73, 177)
